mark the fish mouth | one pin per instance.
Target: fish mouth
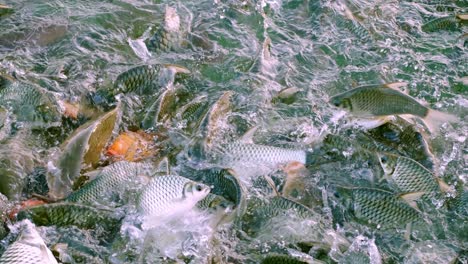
(335, 100)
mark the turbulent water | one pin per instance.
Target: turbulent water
(255, 49)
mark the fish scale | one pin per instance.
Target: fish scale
(163, 193)
(29, 248)
(411, 176)
(137, 79)
(252, 153)
(442, 23)
(114, 178)
(225, 184)
(382, 208)
(66, 214)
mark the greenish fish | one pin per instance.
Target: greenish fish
(214, 202)
(445, 23)
(408, 175)
(161, 110)
(169, 36)
(460, 203)
(70, 214)
(146, 79)
(385, 100)
(192, 113)
(222, 182)
(380, 208)
(29, 248)
(29, 102)
(233, 155)
(404, 139)
(114, 180)
(355, 28)
(259, 213)
(169, 195)
(281, 259)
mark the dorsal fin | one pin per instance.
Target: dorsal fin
(272, 184)
(444, 187)
(247, 138)
(463, 17)
(177, 68)
(164, 166)
(397, 86)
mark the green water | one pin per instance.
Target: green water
(72, 48)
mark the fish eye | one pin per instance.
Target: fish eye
(198, 187)
(384, 159)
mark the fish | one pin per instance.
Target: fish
(161, 110)
(192, 113)
(260, 214)
(218, 110)
(445, 23)
(146, 79)
(169, 36)
(71, 214)
(132, 146)
(30, 103)
(168, 195)
(233, 155)
(4, 207)
(114, 180)
(379, 208)
(223, 182)
(460, 203)
(82, 150)
(404, 139)
(281, 259)
(385, 100)
(408, 175)
(29, 248)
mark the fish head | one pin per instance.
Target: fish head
(196, 191)
(171, 19)
(341, 102)
(388, 162)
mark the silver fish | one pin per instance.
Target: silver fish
(113, 180)
(29, 248)
(168, 196)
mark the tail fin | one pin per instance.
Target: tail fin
(434, 119)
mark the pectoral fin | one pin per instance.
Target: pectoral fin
(411, 198)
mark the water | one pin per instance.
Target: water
(255, 49)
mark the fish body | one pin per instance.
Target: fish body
(168, 196)
(236, 154)
(29, 102)
(29, 248)
(70, 214)
(381, 208)
(262, 216)
(139, 79)
(442, 23)
(384, 100)
(168, 36)
(162, 109)
(3, 216)
(223, 182)
(114, 179)
(408, 175)
(281, 259)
